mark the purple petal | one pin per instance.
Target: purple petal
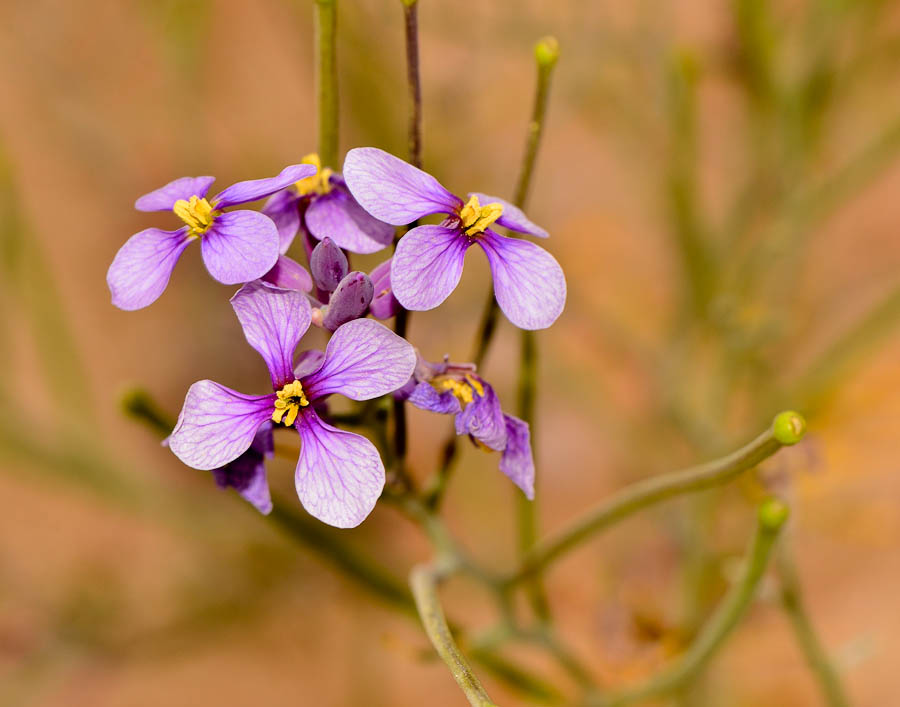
(383, 305)
(284, 210)
(308, 362)
(289, 275)
(339, 474)
(217, 424)
(328, 265)
(513, 217)
(425, 397)
(273, 320)
(483, 419)
(254, 189)
(427, 266)
(529, 284)
(239, 247)
(349, 301)
(141, 269)
(247, 473)
(164, 198)
(338, 216)
(363, 359)
(517, 462)
(392, 190)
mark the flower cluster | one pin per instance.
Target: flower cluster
(339, 474)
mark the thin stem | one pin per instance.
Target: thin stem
(411, 17)
(326, 77)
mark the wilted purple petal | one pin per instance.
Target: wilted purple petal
(217, 424)
(274, 320)
(517, 462)
(427, 266)
(254, 189)
(141, 269)
(247, 473)
(392, 190)
(483, 419)
(338, 216)
(363, 359)
(164, 198)
(425, 397)
(383, 305)
(349, 301)
(284, 210)
(288, 274)
(512, 217)
(240, 246)
(328, 265)
(308, 362)
(529, 284)
(339, 474)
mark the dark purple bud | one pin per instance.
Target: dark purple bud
(349, 301)
(289, 275)
(384, 304)
(328, 264)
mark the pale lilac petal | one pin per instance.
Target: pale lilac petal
(274, 320)
(284, 210)
(338, 216)
(483, 419)
(308, 362)
(529, 284)
(427, 266)
(164, 198)
(363, 359)
(217, 424)
(513, 217)
(141, 269)
(288, 274)
(517, 462)
(425, 397)
(247, 473)
(339, 474)
(254, 189)
(392, 190)
(240, 246)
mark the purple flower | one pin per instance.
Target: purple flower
(384, 305)
(323, 206)
(237, 246)
(528, 283)
(339, 475)
(247, 473)
(455, 389)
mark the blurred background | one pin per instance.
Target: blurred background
(720, 181)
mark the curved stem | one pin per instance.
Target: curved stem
(326, 78)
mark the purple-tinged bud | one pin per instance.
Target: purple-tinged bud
(384, 304)
(328, 264)
(289, 275)
(349, 301)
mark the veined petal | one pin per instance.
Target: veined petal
(217, 424)
(164, 198)
(274, 320)
(529, 284)
(392, 190)
(254, 189)
(483, 419)
(247, 473)
(240, 246)
(284, 210)
(141, 269)
(339, 474)
(427, 265)
(308, 362)
(517, 462)
(288, 274)
(338, 216)
(363, 359)
(512, 217)
(425, 397)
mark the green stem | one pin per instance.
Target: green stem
(326, 77)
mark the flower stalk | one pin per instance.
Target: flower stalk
(326, 78)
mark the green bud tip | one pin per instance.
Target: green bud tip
(546, 51)
(773, 513)
(789, 427)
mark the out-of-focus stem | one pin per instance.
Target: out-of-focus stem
(326, 78)
(411, 17)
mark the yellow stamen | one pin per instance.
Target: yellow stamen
(197, 214)
(462, 390)
(319, 183)
(288, 402)
(476, 218)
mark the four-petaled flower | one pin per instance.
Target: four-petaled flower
(528, 283)
(323, 206)
(339, 474)
(237, 246)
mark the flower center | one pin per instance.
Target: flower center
(475, 217)
(319, 183)
(463, 390)
(197, 214)
(288, 403)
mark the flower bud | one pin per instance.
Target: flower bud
(289, 275)
(773, 514)
(789, 427)
(384, 305)
(349, 301)
(546, 51)
(328, 264)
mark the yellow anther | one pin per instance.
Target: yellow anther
(462, 390)
(475, 384)
(319, 183)
(476, 218)
(197, 214)
(288, 402)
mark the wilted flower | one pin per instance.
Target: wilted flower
(528, 283)
(237, 246)
(339, 474)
